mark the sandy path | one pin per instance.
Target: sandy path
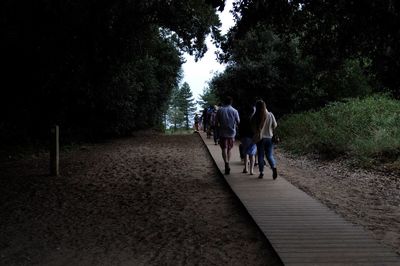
(158, 200)
(147, 200)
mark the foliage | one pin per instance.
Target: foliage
(348, 80)
(208, 98)
(178, 131)
(267, 59)
(263, 65)
(186, 103)
(330, 32)
(366, 130)
(97, 68)
(182, 107)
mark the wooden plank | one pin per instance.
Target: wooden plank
(343, 264)
(344, 256)
(342, 247)
(316, 260)
(301, 229)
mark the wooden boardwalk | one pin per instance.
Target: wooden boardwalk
(301, 229)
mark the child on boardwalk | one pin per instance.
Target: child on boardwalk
(248, 146)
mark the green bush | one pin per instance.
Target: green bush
(365, 130)
(349, 80)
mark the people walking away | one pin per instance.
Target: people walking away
(249, 148)
(228, 119)
(263, 123)
(209, 113)
(205, 120)
(214, 125)
(196, 122)
(200, 122)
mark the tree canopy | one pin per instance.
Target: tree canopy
(105, 68)
(97, 68)
(302, 54)
(208, 97)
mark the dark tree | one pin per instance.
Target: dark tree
(96, 68)
(331, 32)
(301, 55)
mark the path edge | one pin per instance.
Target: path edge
(222, 176)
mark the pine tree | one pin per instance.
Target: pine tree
(208, 98)
(175, 116)
(186, 103)
(181, 107)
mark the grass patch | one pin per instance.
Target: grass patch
(367, 131)
(179, 131)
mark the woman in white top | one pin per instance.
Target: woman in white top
(263, 124)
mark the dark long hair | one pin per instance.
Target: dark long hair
(259, 116)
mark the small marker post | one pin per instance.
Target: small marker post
(54, 150)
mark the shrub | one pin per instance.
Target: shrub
(365, 130)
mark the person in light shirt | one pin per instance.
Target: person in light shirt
(263, 124)
(227, 119)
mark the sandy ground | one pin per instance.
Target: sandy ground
(368, 198)
(146, 200)
(159, 200)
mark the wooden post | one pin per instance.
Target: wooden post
(54, 151)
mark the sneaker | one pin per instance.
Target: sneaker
(274, 173)
(261, 175)
(244, 171)
(227, 171)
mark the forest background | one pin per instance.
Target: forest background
(103, 69)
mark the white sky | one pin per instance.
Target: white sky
(197, 74)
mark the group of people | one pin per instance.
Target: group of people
(207, 122)
(256, 130)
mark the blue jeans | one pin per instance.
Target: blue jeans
(265, 146)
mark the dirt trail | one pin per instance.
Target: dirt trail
(158, 200)
(146, 200)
